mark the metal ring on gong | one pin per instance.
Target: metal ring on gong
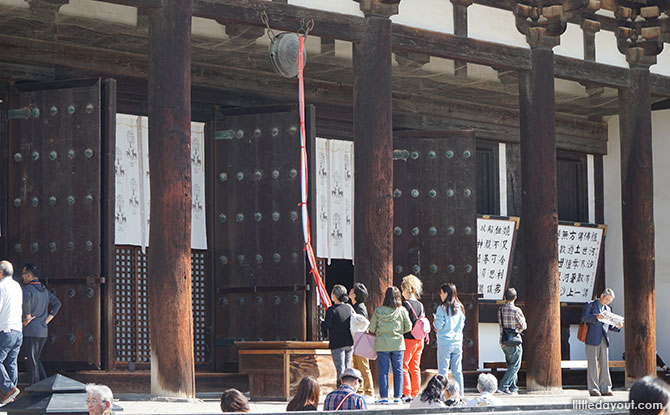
(284, 54)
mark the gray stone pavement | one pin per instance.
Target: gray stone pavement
(208, 403)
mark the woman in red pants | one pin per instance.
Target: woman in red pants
(412, 288)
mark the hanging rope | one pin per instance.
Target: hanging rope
(323, 294)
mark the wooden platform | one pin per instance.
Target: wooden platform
(140, 381)
(275, 368)
(565, 364)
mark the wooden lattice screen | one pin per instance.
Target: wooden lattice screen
(131, 309)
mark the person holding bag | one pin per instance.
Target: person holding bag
(358, 294)
(449, 322)
(389, 322)
(337, 325)
(412, 288)
(512, 322)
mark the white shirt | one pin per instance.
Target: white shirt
(11, 305)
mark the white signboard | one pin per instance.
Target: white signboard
(334, 199)
(578, 255)
(495, 240)
(133, 193)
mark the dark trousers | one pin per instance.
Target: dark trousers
(32, 348)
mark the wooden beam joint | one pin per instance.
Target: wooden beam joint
(639, 32)
(381, 8)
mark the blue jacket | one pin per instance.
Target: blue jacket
(449, 327)
(597, 330)
(38, 302)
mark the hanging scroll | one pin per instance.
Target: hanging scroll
(495, 247)
(334, 198)
(579, 250)
(131, 166)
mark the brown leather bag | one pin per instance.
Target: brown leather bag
(581, 333)
(583, 328)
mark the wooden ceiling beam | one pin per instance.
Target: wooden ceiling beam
(281, 17)
(572, 133)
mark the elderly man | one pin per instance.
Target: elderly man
(39, 308)
(11, 300)
(597, 344)
(99, 399)
(453, 396)
(345, 397)
(486, 385)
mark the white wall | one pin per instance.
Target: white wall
(490, 351)
(613, 244)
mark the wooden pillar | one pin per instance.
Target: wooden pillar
(543, 23)
(373, 151)
(539, 224)
(169, 253)
(461, 29)
(637, 187)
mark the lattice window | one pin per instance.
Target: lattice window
(124, 305)
(199, 305)
(143, 344)
(132, 342)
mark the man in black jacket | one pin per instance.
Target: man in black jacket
(39, 308)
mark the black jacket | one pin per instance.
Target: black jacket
(336, 326)
(361, 309)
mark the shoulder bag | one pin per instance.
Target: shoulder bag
(510, 337)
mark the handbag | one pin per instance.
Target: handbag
(510, 337)
(584, 328)
(357, 322)
(364, 345)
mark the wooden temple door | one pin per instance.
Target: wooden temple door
(60, 217)
(435, 223)
(259, 263)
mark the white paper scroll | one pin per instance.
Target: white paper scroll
(198, 224)
(495, 240)
(334, 198)
(578, 255)
(133, 191)
(129, 179)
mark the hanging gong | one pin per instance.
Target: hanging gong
(284, 54)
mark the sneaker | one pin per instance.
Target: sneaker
(514, 393)
(397, 400)
(9, 396)
(594, 393)
(383, 402)
(407, 399)
(504, 391)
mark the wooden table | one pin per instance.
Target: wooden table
(276, 367)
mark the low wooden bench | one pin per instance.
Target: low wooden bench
(565, 364)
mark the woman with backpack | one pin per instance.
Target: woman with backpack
(389, 322)
(449, 322)
(412, 288)
(336, 325)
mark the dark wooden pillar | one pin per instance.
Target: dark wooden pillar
(637, 187)
(539, 224)
(170, 311)
(542, 22)
(461, 29)
(373, 151)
